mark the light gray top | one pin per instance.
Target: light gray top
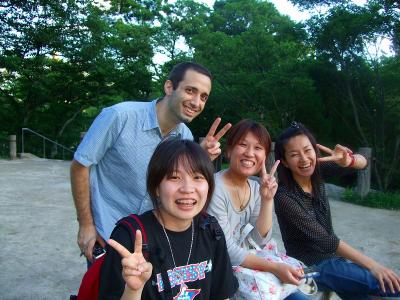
(118, 148)
(232, 221)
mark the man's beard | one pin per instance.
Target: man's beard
(180, 116)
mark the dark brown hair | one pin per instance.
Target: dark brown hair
(178, 72)
(165, 161)
(238, 132)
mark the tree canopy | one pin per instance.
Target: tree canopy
(61, 62)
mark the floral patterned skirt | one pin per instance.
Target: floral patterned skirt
(258, 285)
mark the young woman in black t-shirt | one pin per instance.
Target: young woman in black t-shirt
(305, 221)
(187, 258)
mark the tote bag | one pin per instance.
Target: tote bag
(258, 285)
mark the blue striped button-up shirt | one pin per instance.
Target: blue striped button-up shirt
(118, 148)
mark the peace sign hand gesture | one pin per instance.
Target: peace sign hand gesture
(211, 142)
(340, 155)
(135, 269)
(268, 184)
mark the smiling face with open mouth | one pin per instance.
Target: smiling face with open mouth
(247, 156)
(187, 101)
(300, 156)
(182, 196)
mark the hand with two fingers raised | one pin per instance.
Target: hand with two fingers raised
(211, 142)
(268, 184)
(340, 155)
(135, 269)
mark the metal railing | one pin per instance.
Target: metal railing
(44, 143)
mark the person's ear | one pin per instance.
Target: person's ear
(168, 87)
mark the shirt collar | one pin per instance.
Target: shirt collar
(150, 120)
(300, 191)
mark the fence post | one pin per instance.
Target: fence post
(364, 176)
(271, 158)
(13, 146)
(22, 143)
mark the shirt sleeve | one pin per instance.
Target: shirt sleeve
(224, 283)
(332, 169)
(101, 136)
(185, 132)
(112, 283)
(304, 224)
(219, 209)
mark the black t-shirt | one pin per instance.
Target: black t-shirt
(207, 276)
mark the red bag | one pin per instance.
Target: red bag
(90, 285)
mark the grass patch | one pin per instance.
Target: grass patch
(387, 200)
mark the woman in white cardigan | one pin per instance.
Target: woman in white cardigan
(243, 206)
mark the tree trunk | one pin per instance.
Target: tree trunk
(66, 123)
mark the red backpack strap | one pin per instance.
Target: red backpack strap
(132, 222)
(90, 285)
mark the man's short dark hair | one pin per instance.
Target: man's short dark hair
(165, 161)
(178, 72)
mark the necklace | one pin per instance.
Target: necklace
(241, 200)
(170, 247)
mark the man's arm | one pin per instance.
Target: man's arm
(87, 234)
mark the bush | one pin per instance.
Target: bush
(385, 200)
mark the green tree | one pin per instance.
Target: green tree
(351, 82)
(386, 12)
(259, 63)
(58, 59)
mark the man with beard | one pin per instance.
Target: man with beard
(109, 168)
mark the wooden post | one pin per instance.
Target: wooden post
(364, 176)
(271, 158)
(13, 146)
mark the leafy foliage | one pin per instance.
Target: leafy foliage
(60, 58)
(259, 64)
(349, 78)
(374, 199)
(61, 62)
